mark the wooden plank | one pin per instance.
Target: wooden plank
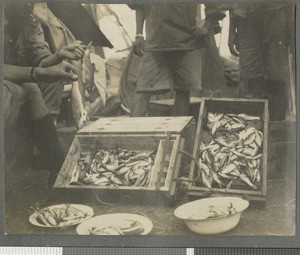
(173, 156)
(166, 147)
(177, 165)
(119, 141)
(229, 191)
(251, 197)
(265, 149)
(65, 175)
(197, 143)
(137, 125)
(157, 165)
(91, 187)
(236, 106)
(170, 102)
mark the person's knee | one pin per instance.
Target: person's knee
(31, 91)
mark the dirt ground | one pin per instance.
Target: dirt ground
(276, 218)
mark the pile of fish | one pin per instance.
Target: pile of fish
(221, 211)
(59, 216)
(115, 168)
(124, 227)
(234, 153)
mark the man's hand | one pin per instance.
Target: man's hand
(62, 71)
(200, 31)
(139, 45)
(233, 43)
(73, 51)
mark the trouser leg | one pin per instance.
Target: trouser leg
(275, 91)
(278, 103)
(182, 102)
(140, 104)
(30, 95)
(43, 134)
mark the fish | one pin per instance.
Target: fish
(250, 139)
(206, 179)
(204, 167)
(114, 179)
(248, 117)
(248, 152)
(123, 170)
(245, 179)
(258, 138)
(229, 184)
(216, 179)
(237, 126)
(228, 168)
(215, 127)
(225, 176)
(221, 141)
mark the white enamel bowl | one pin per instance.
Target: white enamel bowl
(195, 214)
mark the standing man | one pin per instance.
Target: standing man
(261, 35)
(169, 59)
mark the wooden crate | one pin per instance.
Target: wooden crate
(163, 173)
(253, 107)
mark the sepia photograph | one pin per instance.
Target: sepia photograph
(149, 119)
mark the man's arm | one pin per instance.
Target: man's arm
(213, 13)
(138, 45)
(17, 74)
(22, 75)
(74, 51)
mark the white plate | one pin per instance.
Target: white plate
(112, 220)
(86, 209)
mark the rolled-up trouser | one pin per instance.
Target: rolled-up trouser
(14, 96)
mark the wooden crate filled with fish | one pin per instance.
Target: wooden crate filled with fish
(122, 162)
(231, 149)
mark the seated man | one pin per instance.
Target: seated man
(19, 89)
(28, 47)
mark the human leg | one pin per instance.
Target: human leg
(52, 95)
(140, 104)
(30, 95)
(41, 128)
(182, 102)
(43, 134)
(185, 68)
(154, 79)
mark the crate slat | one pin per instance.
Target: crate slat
(157, 165)
(137, 125)
(177, 169)
(172, 164)
(66, 172)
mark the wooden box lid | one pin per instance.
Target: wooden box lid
(150, 125)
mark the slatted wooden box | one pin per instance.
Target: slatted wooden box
(147, 134)
(254, 107)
